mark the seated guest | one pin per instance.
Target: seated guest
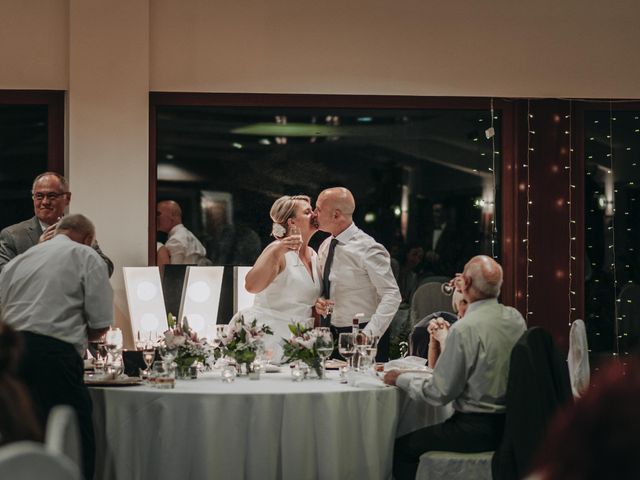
(57, 295)
(17, 415)
(183, 246)
(471, 372)
(51, 196)
(420, 340)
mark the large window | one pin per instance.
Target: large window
(418, 175)
(612, 228)
(31, 129)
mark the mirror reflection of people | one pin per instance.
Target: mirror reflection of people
(285, 277)
(51, 197)
(471, 372)
(409, 270)
(183, 246)
(442, 243)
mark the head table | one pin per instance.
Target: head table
(272, 428)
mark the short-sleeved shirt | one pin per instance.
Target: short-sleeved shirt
(58, 288)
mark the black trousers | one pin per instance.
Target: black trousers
(383, 345)
(53, 372)
(463, 432)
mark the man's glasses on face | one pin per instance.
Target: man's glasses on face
(40, 196)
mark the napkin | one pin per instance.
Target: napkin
(364, 380)
(406, 363)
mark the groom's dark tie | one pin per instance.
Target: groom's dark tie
(326, 284)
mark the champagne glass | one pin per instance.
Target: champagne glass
(372, 349)
(324, 346)
(294, 231)
(346, 347)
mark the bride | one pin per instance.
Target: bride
(285, 276)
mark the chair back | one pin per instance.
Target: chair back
(537, 385)
(62, 436)
(31, 460)
(428, 298)
(578, 359)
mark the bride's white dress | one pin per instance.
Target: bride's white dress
(289, 298)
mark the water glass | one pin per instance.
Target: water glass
(229, 373)
(162, 376)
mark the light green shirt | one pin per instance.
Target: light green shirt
(472, 371)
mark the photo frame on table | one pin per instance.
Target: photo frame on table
(145, 301)
(201, 299)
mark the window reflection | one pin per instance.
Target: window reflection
(422, 179)
(23, 155)
(612, 240)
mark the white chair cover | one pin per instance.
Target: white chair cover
(63, 434)
(428, 298)
(454, 466)
(578, 359)
(30, 460)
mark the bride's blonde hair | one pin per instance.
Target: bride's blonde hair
(282, 210)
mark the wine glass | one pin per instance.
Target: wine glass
(372, 349)
(346, 347)
(113, 342)
(294, 231)
(324, 346)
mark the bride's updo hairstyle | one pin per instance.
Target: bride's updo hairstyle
(282, 210)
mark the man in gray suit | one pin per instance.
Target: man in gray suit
(51, 197)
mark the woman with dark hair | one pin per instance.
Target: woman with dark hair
(17, 416)
(599, 436)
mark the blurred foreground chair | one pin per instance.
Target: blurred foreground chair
(30, 460)
(578, 359)
(63, 434)
(428, 298)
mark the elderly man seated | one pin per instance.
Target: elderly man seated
(471, 372)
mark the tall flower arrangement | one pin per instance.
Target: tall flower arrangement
(242, 339)
(188, 348)
(304, 344)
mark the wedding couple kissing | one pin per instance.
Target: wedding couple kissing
(351, 273)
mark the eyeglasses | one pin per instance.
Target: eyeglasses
(49, 195)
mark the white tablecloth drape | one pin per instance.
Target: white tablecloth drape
(269, 429)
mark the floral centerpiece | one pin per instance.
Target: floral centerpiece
(185, 344)
(242, 340)
(307, 345)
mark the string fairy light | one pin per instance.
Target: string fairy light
(612, 247)
(494, 228)
(530, 132)
(572, 222)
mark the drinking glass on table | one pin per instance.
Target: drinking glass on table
(347, 347)
(370, 352)
(113, 343)
(148, 354)
(324, 346)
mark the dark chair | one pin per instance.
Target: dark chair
(538, 384)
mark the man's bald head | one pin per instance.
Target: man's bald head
(485, 276)
(334, 209)
(168, 215)
(77, 227)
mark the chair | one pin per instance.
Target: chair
(30, 460)
(428, 298)
(62, 436)
(537, 385)
(454, 466)
(578, 359)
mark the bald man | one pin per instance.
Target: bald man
(359, 277)
(183, 246)
(471, 372)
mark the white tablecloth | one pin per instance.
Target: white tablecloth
(267, 429)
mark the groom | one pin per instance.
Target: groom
(356, 271)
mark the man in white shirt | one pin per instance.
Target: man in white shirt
(471, 372)
(183, 245)
(358, 279)
(57, 295)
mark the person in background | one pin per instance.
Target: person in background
(471, 372)
(17, 415)
(359, 276)
(51, 196)
(183, 246)
(57, 295)
(421, 341)
(409, 271)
